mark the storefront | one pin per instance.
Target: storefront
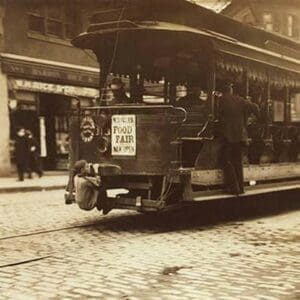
(40, 97)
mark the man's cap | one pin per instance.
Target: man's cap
(116, 83)
(19, 128)
(226, 86)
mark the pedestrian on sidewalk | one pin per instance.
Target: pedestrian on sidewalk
(21, 152)
(34, 163)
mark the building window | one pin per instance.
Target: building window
(290, 25)
(268, 21)
(247, 19)
(36, 20)
(57, 21)
(70, 27)
(54, 21)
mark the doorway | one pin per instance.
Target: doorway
(53, 110)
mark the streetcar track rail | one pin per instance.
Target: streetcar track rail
(26, 261)
(45, 231)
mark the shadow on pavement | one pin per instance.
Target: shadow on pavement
(202, 214)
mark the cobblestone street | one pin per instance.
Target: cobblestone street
(52, 251)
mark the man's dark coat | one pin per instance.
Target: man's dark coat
(233, 117)
(21, 150)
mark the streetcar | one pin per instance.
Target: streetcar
(159, 153)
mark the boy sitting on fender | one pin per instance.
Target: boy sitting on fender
(86, 185)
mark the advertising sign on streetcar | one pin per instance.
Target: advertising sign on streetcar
(123, 135)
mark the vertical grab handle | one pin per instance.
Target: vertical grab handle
(184, 113)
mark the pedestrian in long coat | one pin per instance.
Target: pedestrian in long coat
(34, 164)
(21, 152)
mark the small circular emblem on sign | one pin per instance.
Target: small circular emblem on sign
(87, 129)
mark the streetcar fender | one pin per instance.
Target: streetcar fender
(105, 169)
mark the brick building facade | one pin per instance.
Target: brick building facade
(279, 16)
(42, 74)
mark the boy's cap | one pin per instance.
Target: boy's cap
(79, 165)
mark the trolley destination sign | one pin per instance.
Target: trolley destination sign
(123, 137)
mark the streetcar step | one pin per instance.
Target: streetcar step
(249, 191)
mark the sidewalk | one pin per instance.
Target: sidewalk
(50, 181)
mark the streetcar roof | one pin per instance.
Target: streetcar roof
(151, 36)
(219, 42)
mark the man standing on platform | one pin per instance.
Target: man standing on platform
(233, 119)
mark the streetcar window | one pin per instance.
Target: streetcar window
(193, 98)
(153, 99)
(278, 111)
(111, 97)
(153, 92)
(190, 94)
(278, 96)
(181, 91)
(295, 107)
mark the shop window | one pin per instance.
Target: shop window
(268, 21)
(57, 21)
(295, 107)
(61, 134)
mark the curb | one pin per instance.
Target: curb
(31, 189)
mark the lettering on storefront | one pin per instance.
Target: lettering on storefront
(45, 73)
(123, 135)
(49, 73)
(43, 87)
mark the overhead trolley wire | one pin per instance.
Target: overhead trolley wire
(114, 50)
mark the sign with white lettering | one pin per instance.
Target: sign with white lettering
(123, 135)
(51, 88)
(46, 72)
